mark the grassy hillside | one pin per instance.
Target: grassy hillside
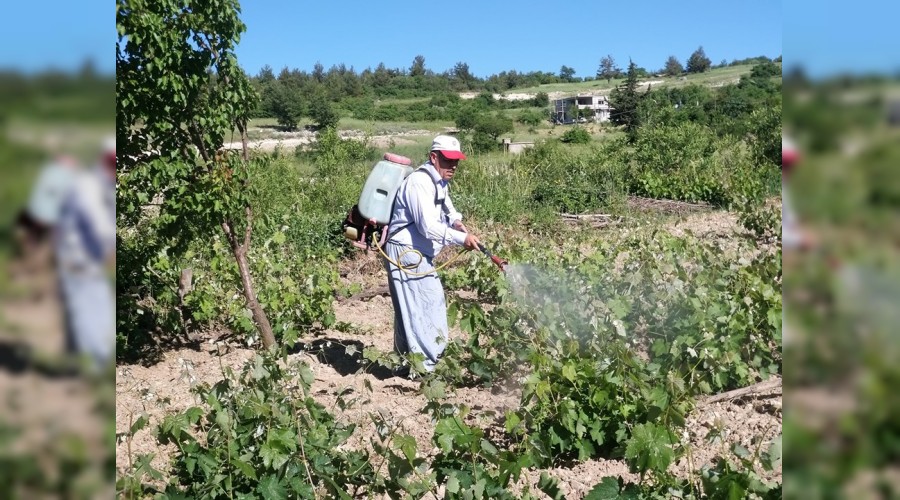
(712, 78)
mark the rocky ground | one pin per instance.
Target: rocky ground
(165, 387)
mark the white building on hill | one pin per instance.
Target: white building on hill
(564, 109)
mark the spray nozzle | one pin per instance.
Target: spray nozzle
(496, 260)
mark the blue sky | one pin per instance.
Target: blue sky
(57, 34)
(834, 37)
(825, 37)
(495, 36)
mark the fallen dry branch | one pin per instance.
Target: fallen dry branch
(595, 220)
(585, 216)
(368, 294)
(668, 206)
(761, 387)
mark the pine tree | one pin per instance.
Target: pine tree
(698, 62)
(673, 67)
(625, 100)
(608, 69)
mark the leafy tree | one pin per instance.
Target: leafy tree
(541, 99)
(488, 129)
(765, 70)
(531, 117)
(461, 74)
(179, 91)
(608, 69)
(673, 67)
(625, 101)
(566, 73)
(418, 66)
(466, 118)
(322, 112)
(283, 103)
(318, 73)
(698, 62)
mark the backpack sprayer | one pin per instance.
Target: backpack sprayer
(367, 222)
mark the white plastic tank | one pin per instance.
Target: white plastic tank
(377, 198)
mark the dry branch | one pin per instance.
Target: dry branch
(670, 206)
(368, 294)
(595, 220)
(757, 388)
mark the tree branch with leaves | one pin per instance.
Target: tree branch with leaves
(180, 92)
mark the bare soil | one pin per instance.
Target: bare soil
(48, 409)
(166, 387)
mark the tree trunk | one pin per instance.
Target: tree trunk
(240, 255)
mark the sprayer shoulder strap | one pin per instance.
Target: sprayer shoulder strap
(437, 201)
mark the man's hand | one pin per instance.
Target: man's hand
(459, 226)
(472, 242)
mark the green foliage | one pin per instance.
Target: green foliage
(532, 118)
(567, 181)
(765, 70)
(262, 434)
(146, 286)
(576, 135)
(765, 141)
(283, 103)
(471, 465)
(650, 449)
(323, 113)
(698, 62)
(296, 290)
(541, 99)
(486, 130)
(625, 101)
(763, 221)
(567, 74)
(331, 153)
(57, 466)
(580, 407)
(726, 480)
(177, 77)
(673, 67)
(687, 162)
(179, 92)
(608, 69)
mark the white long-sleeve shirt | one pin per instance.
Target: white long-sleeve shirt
(86, 233)
(423, 213)
(790, 228)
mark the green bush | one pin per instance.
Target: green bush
(687, 162)
(576, 135)
(263, 436)
(531, 117)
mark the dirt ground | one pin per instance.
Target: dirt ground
(50, 411)
(166, 386)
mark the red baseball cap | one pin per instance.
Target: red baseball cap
(448, 146)
(789, 153)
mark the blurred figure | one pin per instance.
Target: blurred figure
(793, 235)
(85, 253)
(37, 221)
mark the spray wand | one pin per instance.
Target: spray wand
(496, 260)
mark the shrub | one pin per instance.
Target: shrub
(576, 135)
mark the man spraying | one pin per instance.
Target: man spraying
(85, 254)
(423, 221)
